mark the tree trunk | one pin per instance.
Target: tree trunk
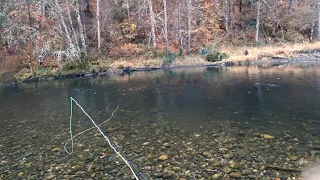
(258, 20)
(179, 31)
(128, 9)
(29, 13)
(166, 27)
(81, 31)
(64, 24)
(153, 24)
(318, 7)
(73, 32)
(227, 2)
(292, 2)
(189, 26)
(99, 34)
(311, 33)
(98, 26)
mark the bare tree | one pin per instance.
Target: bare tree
(258, 20)
(65, 28)
(98, 26)
(153, 24)
(189, 25)
(318, 7)
(227, 15)
(99, 33)
(81, 29)
(166, 27)
(128, 9)
(180, 39)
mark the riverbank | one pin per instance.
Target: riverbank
(236, 54)
(274, 54)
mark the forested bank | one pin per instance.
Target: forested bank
(50, 36)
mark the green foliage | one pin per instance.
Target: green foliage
(216, 57)
(250, 25)
(260, 43)
(2, 19)
(43, 71)
(74, 65)
(204, 51)
(213, 54)
(170, 58)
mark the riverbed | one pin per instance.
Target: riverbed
(246, 122)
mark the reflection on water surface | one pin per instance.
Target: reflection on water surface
(239, 122)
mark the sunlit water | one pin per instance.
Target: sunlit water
(180, 113)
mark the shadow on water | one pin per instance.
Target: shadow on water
(263, 119)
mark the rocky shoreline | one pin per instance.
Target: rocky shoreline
(301, 58)
(123, 71)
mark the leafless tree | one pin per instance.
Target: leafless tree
(258, 20)
(153, 24)
(180, 38)
(189, 25)
(318, 9)
(166, 27)
(98, 27)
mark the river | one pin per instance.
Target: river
(187, 123)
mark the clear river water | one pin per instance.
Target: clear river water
(186, 123)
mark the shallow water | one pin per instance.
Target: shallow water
(251, 122)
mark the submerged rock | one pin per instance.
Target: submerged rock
(216, 176)
(163, 157)
(246, 171)
(56, 149)
(216, 164)
(293, 158)
(267, 136)
(235, 174)
(207, 154)
(51, 176)
(235, 165)
(20, 174)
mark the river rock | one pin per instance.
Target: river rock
(216, 164)
(267, 136)
(163, 157)
(235, 165)
(246, 172)
(207, 154)
(216, 176)
(176, 169)
(51, 176)
(235, 174)
(56, 149)
(293, 158)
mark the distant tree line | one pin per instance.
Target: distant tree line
(77, 30)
